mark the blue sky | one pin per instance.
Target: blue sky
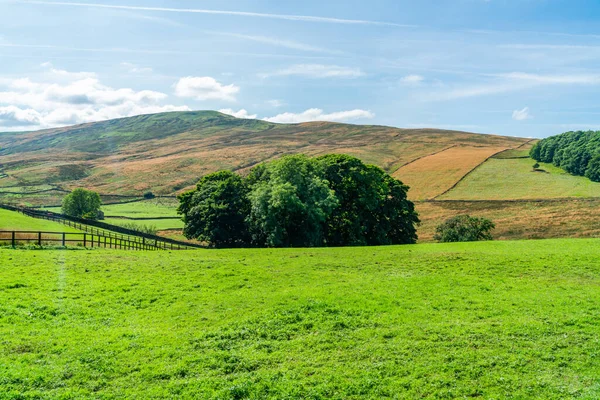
(512, 67)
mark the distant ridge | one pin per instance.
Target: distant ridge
(168, 152)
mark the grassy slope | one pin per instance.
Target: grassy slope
(10, 221)
(504, 179)
(490, 320)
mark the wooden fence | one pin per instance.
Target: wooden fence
(87, 240)
(116, 233)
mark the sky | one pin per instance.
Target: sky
(527, 68)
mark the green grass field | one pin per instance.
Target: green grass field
(144, 209)
(13, 221)
(503, 320)
(505, 179)
(160, 224)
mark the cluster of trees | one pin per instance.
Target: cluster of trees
(297, 201)
(578, 153)
(82, 203)
(464, 228)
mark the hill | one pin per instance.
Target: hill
(166, 153)
(449, 172)
(487, 320)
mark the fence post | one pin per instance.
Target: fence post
(85, 240)
(40, 239)
(14, 241)
(63, 240)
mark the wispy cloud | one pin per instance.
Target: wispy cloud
(135, 69)
(521, 115)
(511, 82)
(591, 79)
(303, 18)
(412, 80)
(289, 44)
(317, 71)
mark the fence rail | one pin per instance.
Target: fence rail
(87, 240)
(101, 229)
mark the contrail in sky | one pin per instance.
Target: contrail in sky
(304, 18)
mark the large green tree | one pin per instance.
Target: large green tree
(373, 208)
(216, 211)
(82, 203)
(290, 203)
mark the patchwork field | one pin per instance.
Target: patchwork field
(506, 179)
(431, 176)
(489, 320)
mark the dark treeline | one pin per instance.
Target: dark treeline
(578, 153)
(297, 201)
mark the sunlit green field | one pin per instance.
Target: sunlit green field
(13, 221)
(505, 179)
(492, 320)
(160, 224)
(139, 209)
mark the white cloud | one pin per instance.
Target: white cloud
(412, 80)
(64, 98)
(317, 71)
(135, 69)
(275, 103)
(205, 88)
(521, 115)
(316, 114)
(238, 114)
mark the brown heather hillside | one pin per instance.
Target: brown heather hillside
(166, 153)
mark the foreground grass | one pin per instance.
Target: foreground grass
(491, 320)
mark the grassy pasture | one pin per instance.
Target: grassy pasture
(508, 320)
(160, 224)
(13, 221)
(144, 209)
(505, 179)
(430, 176)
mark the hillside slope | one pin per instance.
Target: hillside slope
(168, 152)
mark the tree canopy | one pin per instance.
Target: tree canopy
(464, 228)
(297, 201)
(82, 203)
(578, 153)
